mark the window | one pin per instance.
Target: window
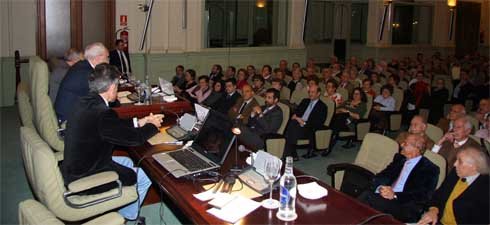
(412, 24)
(359, 22)
(245, 23)
(319, 22)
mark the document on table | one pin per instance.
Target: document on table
(162, 138)
(235, 210)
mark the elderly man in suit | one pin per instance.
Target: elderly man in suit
(417, 126)
(263, 120)
(463, 197)
(120, 58)
(308, 117)
(406, 184)
(94, 129)
(244, 106)
(71, 57)
(453, 141)
(75, 83)
(457, 111)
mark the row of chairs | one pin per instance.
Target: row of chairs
(42, 149)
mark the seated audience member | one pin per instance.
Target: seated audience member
(242, 78)
(421, 90)
(258, 85)
(346, 116)
(75, 83)
(463, 88)
(244, 106)
(455, 140)
(251, 72)
(230, 97)
(295, 65)
(312, 81)
(279, 75)
(367, 87)
(306, 119)
(310, 71)
(326, 75)
(418, 127)
(463, 196)
(345, 82)
(295, 83)
(230, 73)
(217, 94)
(179, 79)
(267, 74)
(263, 120)
(483, 111)
(484, 132)
(382, 106)
(59, 71)
(394, 81)
(284, 91)
(94, 129)
(457, 111)
(283, 67)
(216, 73)
(190, 81)
(438, 98)
(200, 91)
(331, 92)
(406, 185)
(353, 77)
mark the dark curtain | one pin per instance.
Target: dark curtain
(467, 27)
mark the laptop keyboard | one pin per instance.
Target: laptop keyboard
(190, 161)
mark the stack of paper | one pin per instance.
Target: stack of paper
(312, 190)
(235, 210)
(162, 138)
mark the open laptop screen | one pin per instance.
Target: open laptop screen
(166, 86)
(215, 137)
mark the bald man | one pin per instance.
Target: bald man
(456, 140)
(244, 106)
(457, 111)
(418, 127)
(406, 184)
(463, 197)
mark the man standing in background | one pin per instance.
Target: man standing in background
(120, 59)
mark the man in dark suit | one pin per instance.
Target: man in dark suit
(463, 197)
(455, 140)
(120, 58)
(244, 106)
(406, 184)
(231, 96)
(94, 129)
(263, 120)
(308, 117)
(75, 83)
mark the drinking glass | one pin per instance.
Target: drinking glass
(272, 168)
(140, 90)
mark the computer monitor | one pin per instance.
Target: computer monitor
(167, 87)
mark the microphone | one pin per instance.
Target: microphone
(162, 109)
(242, 148)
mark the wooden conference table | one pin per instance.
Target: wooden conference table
(157, 106)
(336, 208)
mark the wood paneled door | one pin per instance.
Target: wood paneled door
(63, 24)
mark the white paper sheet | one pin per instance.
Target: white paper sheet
(312, 190)
(235, 210)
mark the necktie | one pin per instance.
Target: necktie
(397, 182)
(122, 59)
(242, 108)
(448, 216)
(306, 115)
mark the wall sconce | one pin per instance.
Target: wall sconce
(260, 3)
(387, 7)
(452, 7)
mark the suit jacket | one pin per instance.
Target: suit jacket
(73, 86)
(246, 111)
(472, 206)
(317, 116)
(268, 123)
(449, 152)
(420, 184)
(55, 79)
(227, 102)
(114, 60)
(91, 134)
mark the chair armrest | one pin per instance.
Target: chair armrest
(272, 136)
(92, 181)
(333, 168)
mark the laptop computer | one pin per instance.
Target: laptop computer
(167, 87)
(207, 152)
(188, 125)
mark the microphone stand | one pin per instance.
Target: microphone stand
(236, 131)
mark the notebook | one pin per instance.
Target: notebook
(208, 150)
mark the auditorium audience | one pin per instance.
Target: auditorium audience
(483, 111)
(283, 67)
(267, 74)
(190, 81)
(230, 73)
(200, 91)
(463, 197)
(345, 82)
(75, 83)
(417, 127)
(453, 141)
(179, 79)
(457, 111)
(367, 87)
(230, 97)
(242, 78)
(438, 98)
(295, 83)
(263, 120)
(331, 92)
(405, 186)
(306, 119)
(216, 73)
(216, 96)
(484, 132)
(243, 106)
(259, 85)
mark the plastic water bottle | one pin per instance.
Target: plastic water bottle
(287, 208)
(147, 90)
